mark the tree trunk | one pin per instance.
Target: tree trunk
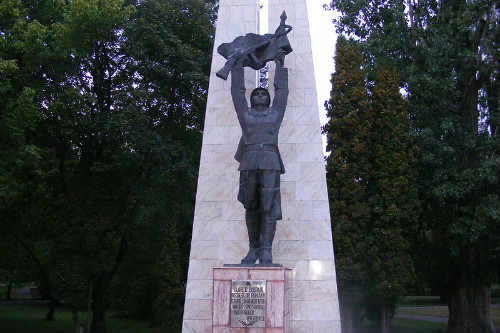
(89, 306)
(99, 288)
(52, 307)
(8, 291)
(469, 294)
(384, 324)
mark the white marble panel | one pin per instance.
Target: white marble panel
(226, 117)
(211, 117)
(287, 191)
(216, 135)
(206, 154)
(212, 168)
(311, 191)
(275, 11)
(238, 231)
(321, 290)
(251, 13)
(213, 189)
(319, 310)
(297, 210)
(302, 44)
(208, 211)
(312, 171)
(203, 250)
(303, 326)
(300, 290)
(307, 152)
(237, 14)
(320, 270)
(292, 250)
(311, 99)
(292, 172)
(330, 326)
(288, 153)
(218, 62)
(202, 269)
(319, 250)
(233, 211)
(234, 135)
(301, 134)
(305, 116)
(210, 230)
(297, 98)
(232, 173)
(232, 250)
(321, 211)
(315, 230)
(196, 326)
(222, 155)
(286, 230)
(198, 309)
(199, 289)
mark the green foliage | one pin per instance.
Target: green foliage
(101, 111)
(347, 167)
(447, 53)
(371, 183)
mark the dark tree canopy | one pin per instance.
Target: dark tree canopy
(101, 112)
(372, 189)
(447, 54)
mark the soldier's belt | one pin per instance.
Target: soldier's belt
(260, 146)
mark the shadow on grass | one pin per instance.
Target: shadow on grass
(29, 318)
(399, 325)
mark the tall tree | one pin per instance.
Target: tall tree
(104, 107)
(447, 53)
(392, 195)
(348, 170)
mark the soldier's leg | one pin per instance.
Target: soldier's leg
(268, 196)
(250, 199)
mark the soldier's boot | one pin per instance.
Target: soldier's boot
(253, 227)
(268, 231)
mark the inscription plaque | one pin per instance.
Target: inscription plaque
(248, 303)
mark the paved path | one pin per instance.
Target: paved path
(434, 319)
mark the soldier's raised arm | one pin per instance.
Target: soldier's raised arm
(280, 83)
(238, 89)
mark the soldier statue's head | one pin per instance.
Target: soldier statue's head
(260, 98)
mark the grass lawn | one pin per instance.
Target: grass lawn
(30, 318)
(441, 311)
(420, 301)
(399, 325)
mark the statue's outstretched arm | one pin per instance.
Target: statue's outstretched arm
(280, 84)
(238, 89)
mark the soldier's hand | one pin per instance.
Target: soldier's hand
(280, 56)
(236, 56)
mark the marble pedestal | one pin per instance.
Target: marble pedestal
(230, 300)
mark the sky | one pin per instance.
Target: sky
(323, 40)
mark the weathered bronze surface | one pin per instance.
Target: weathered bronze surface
(258, 154)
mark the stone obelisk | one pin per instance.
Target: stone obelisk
(303, 239)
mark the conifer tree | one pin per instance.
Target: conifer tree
(348, 169)
(392, 195)
(371, 183)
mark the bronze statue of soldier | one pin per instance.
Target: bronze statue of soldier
(258, 154)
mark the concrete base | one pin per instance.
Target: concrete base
(277, 298)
